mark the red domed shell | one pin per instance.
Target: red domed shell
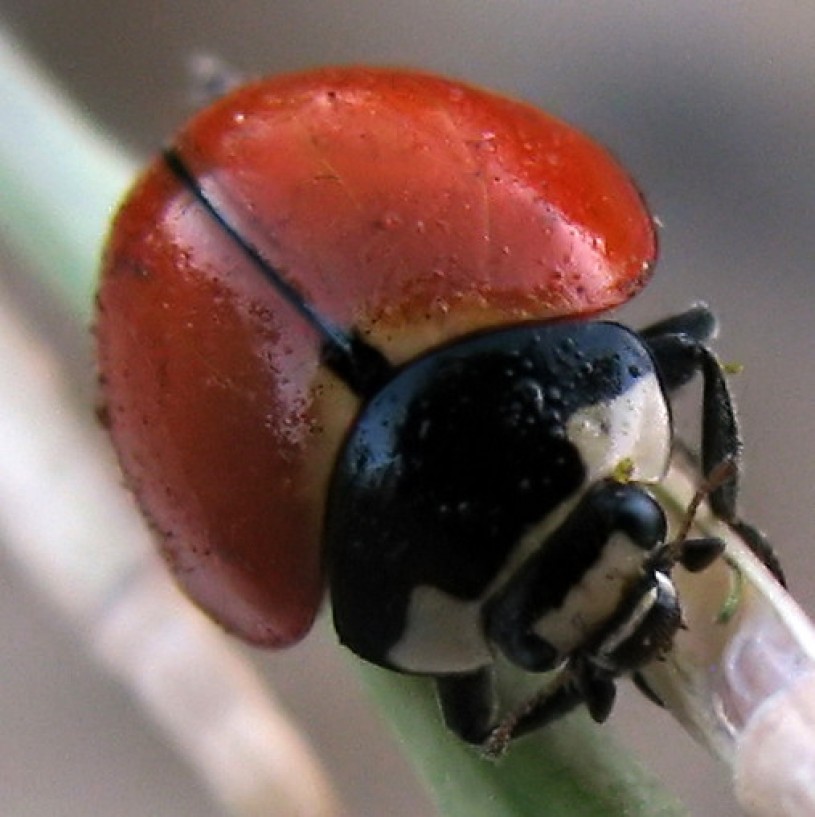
(410, 207)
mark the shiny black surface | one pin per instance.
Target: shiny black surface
(454, 460)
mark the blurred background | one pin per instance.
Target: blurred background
(710, 105)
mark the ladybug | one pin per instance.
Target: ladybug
(347, 336)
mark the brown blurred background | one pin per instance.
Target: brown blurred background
(710, 105)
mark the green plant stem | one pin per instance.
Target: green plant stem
(60, 180)
(573, 768)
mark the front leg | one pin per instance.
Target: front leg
(568, 588)
(679, 347)
(577, 682)
(678, 357)
(468, 704)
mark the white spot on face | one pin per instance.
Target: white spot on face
(635, 426)
(633, 622)
(442, 635)
(595, 597)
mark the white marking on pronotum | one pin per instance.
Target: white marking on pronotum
(634, 426)
(443, 634)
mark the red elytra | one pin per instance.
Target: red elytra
(412, 207)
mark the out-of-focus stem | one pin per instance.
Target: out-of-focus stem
(60, 178)
(68, 523)
(741, 677)
(63, 515)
